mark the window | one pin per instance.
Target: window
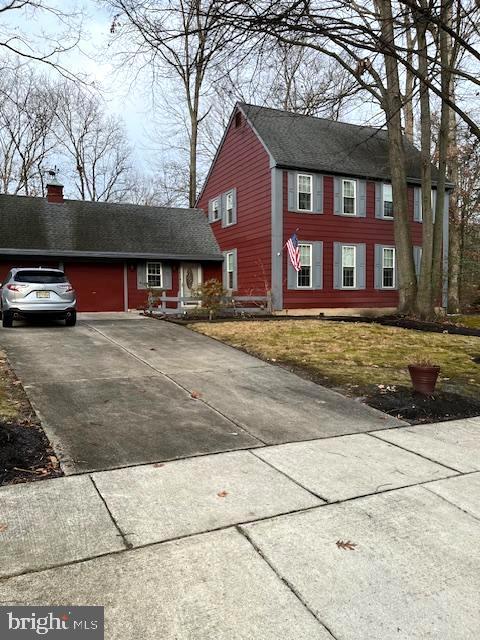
(304, 192)
(349, 188)
(230, 270)
(348, 267)
(216, 209)
(229, 208)
(387, 201)
(154, 274)
(304, 276)
(238, 119)
(388, 267)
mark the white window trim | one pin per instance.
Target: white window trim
(310, 286)
(160, 286)
(354, 182)
(229, 255)
(383, 202)
(304, 175)
(394, 269)
(217, 217)
(350, 246)
(229, 194)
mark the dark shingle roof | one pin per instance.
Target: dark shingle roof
(317, 144)
(105, 229)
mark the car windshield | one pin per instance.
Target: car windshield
(40, 277)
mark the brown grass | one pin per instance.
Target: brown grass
(355, 356)
(11, 394)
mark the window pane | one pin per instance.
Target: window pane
(304, 201)
(348, 276)
(303, 277)
(387, 193)
(216, 209)
(154, 274)
(229, 261)
(388, 258)
(304, 184)
(349, 205)
(305, 254)
(230, 280)
(348, 256)
(388, 277)
(348, 189)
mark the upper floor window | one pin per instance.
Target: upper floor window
(229, 208)
(387, 201)
(216, 209)
(388, 267)
(304, 192)
(349, 196)
(304, 276)
(348, 266)
(230, 269)
(154, 274)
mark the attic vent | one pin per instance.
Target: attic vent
(238, 119)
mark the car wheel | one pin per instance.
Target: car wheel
(7, 319)
(71, 321)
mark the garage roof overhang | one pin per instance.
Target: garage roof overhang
(111, 254)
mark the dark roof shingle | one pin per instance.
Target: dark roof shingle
(105, 229)
(317, 144)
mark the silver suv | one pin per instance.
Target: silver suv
(38, 291)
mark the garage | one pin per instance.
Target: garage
(99, 286)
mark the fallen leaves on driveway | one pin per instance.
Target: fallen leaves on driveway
(196, 394)
(3, 527)
(222, 494)
(346, 545)
(157, 465)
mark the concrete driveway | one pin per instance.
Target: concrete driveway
(117, 391)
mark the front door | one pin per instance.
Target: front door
(190, 278)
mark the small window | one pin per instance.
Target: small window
(348, 267)
(154, 274)
(304, 276)
(387, 201)
(229, 208)
(230, 270)
(238, 119)
(388, 268)
(304, 192)
(349, 188)
(216, 209)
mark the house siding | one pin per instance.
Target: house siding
(243, 163)
(331, 228)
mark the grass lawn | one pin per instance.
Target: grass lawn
(11, 404)
(355, 357)
(471, 321)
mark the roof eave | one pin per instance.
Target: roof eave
(112, 254)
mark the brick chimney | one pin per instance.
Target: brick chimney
(54, 188)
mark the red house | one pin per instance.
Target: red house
(112, 253)
(277, 173)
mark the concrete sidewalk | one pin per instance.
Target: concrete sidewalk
(243, 545)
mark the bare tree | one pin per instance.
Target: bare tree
(93, 143)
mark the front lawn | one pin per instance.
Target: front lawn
(355, 357)
(471, 321)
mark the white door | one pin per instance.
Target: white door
(190, 278)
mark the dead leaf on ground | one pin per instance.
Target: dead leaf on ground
(157, 465)
(196, 394)
(3, 527)
(346, 545)
(222, 494)
(54, 461)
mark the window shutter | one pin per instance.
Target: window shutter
(224, 270)
(337, 265)
(317, 193)
(235, 270)
(166, 276)
(378, 266)
(291, 275)
(337, 196)
(234, 205)
(292, 191)
(417, 259)
(361, 198)
(360, 266)
(317, 263)
(417, 198)
(210, 210)
(378, 200)
(223, 209)
(142, 275)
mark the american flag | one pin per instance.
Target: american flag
(293, 253)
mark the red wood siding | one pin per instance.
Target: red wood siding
(242, 162)
(99, 286)
(332, 228)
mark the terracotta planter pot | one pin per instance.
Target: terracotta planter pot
(423, 378)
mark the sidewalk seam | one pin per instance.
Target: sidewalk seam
(284, 580)
(128, 545)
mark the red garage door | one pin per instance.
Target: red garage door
(99, 286)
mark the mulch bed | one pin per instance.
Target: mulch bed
(25, 454)
(415, 408)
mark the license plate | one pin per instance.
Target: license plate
(43, 294)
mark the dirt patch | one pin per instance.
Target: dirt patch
(403, 403)
(26, 454)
